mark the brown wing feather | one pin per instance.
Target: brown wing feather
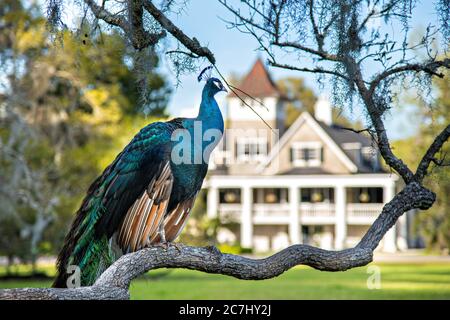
(146, 214)
(176, 220)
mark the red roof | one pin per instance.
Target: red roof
(257, 83)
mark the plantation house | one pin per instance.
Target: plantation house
(314, 183)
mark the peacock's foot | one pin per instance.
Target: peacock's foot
(177, 246)
(166, 244)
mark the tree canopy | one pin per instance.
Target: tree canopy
(61, 107)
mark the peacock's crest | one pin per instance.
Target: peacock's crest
(205, 74)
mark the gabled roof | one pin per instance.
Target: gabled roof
(335, 137)
(258, 83)
(324, 135)
(342, 137)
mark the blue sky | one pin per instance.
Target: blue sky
(235, 53)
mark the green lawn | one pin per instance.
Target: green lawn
(398, 281)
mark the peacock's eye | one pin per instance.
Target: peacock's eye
(217, 84)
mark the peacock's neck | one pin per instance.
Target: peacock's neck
(209, 113)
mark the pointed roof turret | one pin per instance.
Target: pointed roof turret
(258, 83)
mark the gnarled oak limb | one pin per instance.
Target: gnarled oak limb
(115, 281)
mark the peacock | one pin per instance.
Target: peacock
(145, 195)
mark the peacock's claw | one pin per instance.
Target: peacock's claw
(177, 246)
(165, 245)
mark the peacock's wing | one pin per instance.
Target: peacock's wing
(144, 217)
(143, 162)
(136, 199)
(139, 173)
(175, 220)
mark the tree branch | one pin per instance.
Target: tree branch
(430, 67)
(115, 281)
(103, 14)
(375, 113)
(309, 70)
(191, 44)
(429, 155)
(134, 28)
(321, 53)
(249, 21)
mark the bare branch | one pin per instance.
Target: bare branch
(186, 53)
(430, 67)
(370, 131)
(103, 14)
(318, 36)
(134, 29)
(245, 20)
(191, 44)
(317, 70)
(413, 196)
(429, 155)
(321, 53)
(375, 113)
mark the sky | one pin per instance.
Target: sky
(235, 53)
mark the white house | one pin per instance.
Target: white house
(313, 183)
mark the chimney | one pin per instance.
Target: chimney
(322, 110)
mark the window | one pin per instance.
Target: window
(314, 195)
(231, 195)
(306, 154)
(270, 195)
(365, 195)
(251, 148)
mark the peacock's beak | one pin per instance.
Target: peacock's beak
(224, 89)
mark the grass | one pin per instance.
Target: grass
(398, 281)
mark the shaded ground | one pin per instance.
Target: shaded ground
(398, 281)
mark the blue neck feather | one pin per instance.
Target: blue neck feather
(209, 112)
(209, 118)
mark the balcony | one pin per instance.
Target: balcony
(317, 213)
(271, 213)
(363, 213)
(230, 211)
(310, 213)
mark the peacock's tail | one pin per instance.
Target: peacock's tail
(82, 259)
(85, 254)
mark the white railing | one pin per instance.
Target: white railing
(233, 211)
(317, 209)
(364, 210)
(230, 211)
(271, 209)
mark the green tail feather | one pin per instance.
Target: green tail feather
(96, 259)
(82, 247)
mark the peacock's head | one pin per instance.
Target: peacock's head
(215, 85)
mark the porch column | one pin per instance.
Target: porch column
(294, 219)
(247, 221)
(340, 231)
(389, 242)
(212, 202)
